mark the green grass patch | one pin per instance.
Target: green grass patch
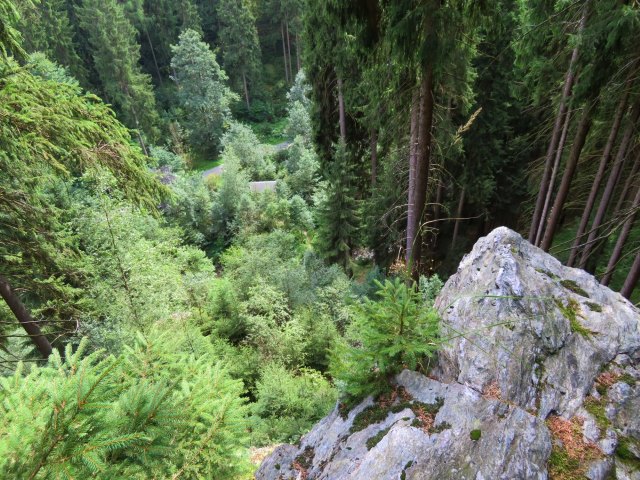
(574, 287)
(594, 307)
(596, 409)
(373, 441)
(202, 165)
(475, 434)
(563, 467)
(625, 451)
(628, 379)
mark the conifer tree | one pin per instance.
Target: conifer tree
(240, 46)
(116, 56)
(337, 212)
(204, 97)
(46, 28)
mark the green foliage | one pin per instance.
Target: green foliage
(129, 417)
(240, 141)
(337, 211)
(288, 404)
(202, 92)
(398, 331)
(116, 54)
(240, 46)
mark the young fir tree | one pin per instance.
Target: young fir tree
(395, 332)
(337, 212)
(116, 56)
(204, 97)
(240, 45)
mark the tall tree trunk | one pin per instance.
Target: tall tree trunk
(413, 146)
(611, 184)
(456, 226)
(153, 55)
(423, 158)
(291, 75)
(554, 173)
(572, 162)
(24, 317)
(246, 90)
(341, 112)
(627, 184)
(298, 51)
(593, 194)
(373, 145)
(284, 52)
(622, 239)
(555, 135)
(632, 278)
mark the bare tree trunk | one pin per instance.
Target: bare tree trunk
(153, 55)
(246, 90)
(373, 145)
(413, 145)
(554, 173)
(555, 135)
(622, 239)
(24, 317)
(342, 115)
(291, 75)
(284, 53)
(632, 278)
(611, 184)
(423, 158)
(572, 162)
(593, 194)
(456, 226)
(627, 185)
(298, 51)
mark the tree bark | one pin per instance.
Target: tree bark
(284, 53)
(373, 145)
(632, 278)
(298, 51)
(246, 90)
(423, 158)
(291, 75)
(622, 239)
(342, 115)
(555, 135)
(593, 194)
(413, 145)
(24, 317)
(611, 183)
(456, 226)
(572, 162)
(554, 173)
(627, 185)
(153, 55)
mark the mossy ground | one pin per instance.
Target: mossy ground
(574, 287)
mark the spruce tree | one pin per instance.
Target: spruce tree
(240, 46)
(338, 210)
(116, 56)
(204, 97)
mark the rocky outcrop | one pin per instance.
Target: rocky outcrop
(537, 378)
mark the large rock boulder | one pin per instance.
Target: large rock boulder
(537, 378)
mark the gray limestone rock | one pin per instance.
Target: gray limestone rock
(526, 338)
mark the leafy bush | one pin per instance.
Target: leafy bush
(287, 405)
(386, 336)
